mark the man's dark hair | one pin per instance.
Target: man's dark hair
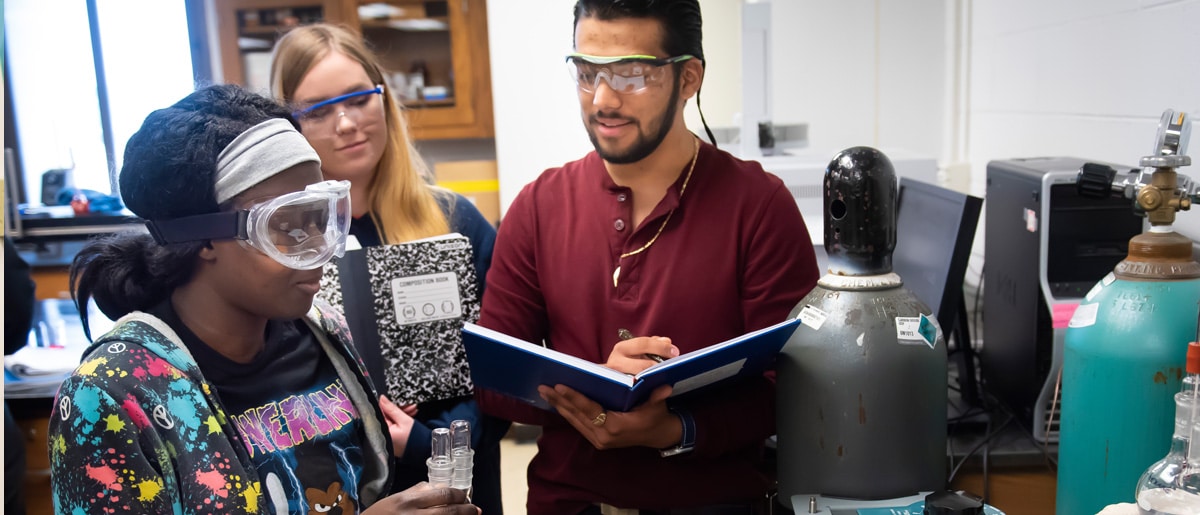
(169, 172)
(680, 20)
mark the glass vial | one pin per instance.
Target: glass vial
(462, 455)
(1171, 486)
(440, 464)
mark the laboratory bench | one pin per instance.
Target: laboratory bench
(1020, 479)
(48, 237)
(1020, 473)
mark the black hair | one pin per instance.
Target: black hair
(680, 19)
(169, 171)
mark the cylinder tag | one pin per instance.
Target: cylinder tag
(813, 317)
(1108, 279)
(916, 330)
(1085, 315)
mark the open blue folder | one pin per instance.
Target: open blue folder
(516, 368)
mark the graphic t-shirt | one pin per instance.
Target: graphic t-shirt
(294, 416)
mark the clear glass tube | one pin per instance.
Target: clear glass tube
(440, 464)
(460, 435)
(463, 455)
(1171, 486)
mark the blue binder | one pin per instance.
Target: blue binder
(516, 368)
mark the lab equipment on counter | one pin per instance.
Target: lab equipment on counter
(53, 350)
(925, 503)
(862, 383)
(1161, 486)
(1126, 344)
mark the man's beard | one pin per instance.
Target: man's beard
(642, 147)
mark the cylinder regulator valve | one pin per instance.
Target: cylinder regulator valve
(1158, 191)
(1164, 196)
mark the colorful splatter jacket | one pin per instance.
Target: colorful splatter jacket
(137, 428)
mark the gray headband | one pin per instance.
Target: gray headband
(258, 154)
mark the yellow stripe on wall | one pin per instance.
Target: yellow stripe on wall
(481, 186)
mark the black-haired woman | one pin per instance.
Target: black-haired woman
(223, 388)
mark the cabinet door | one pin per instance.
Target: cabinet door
(437, 56)
(248, 30)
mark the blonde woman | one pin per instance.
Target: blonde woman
(336, 86)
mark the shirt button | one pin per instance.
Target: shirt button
(621, 197)
(619, 225)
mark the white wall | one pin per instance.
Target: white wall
(721, 95)
(859, 72)
(537, 118)
(1084, 78)
(536, 109)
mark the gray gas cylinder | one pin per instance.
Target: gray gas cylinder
(862, 383)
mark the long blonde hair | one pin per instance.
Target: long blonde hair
(403, 205)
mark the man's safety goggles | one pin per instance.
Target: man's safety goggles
(624, 74)
(321, 119)
(301, 230)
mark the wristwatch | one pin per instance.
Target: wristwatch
(687, 442)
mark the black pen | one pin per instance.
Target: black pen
(624, 334)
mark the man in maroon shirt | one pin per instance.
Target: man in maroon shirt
(656, 243)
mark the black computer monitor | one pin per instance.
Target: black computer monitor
(935, 228)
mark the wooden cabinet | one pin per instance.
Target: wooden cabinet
(447, 39)
(247, 30)
(51, 282)
(434, 51)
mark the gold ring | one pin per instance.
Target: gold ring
(599, 420)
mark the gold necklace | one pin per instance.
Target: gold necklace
(695, 153)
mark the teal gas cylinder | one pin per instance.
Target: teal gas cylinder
(1123, 359)
(861, 384)
(1126, 345)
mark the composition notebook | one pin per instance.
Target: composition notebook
(406, 305)
(516, 368)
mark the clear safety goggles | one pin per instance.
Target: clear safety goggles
(320, 119)
(301, 230)
(624, 74)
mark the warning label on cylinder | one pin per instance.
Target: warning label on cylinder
(812, 316)
(1085, 315)
(917, 330)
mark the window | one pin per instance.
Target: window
(81, 76)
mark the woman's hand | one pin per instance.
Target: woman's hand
(399, 421)
(424, 499)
